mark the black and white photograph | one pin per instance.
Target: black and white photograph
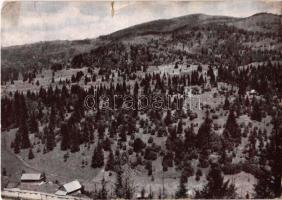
(141, 100)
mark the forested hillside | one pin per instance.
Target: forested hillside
(212, 90)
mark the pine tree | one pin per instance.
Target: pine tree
(4, 171)
(189, 140)
(49, 132)
(75, 138)
(216, 188)
(223, 153)
(30, 154)
(264, 187)
(119, 184)
(232, 129)
(33, 124)
(86, 133)
(16, 148)
(17, 143)
(181, 192)
(65, 143)
(50, 139)
(256, 113)
(204, 133)
(23, 131)
(110, 162)
(98, 157)
(103, 193)
(168, 119)
(226, 104)
(101, 131)
(128, 188)
(277, 166)
(180, 127)
(274, 155)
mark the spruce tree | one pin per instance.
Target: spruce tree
(181, 191)
(179, 127)
(23, 131)
(119, 184)
(86, 133)
(204, 133)
(264, 189)
(128, 188)
(98, 157)
(256, 113)
(226, 104)
(65, 143)
(232, 128)
(75, 139)
(50, 139)
(216, 188)
(103, 193)
(16, 144)
(30, 154)
(168, 119)
(33, 124)
(110, 162)
(190, 136)
(274, 152)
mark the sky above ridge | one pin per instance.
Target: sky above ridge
(34, 21)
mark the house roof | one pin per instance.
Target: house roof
(72, 186)
(31, 177)
(61, 193)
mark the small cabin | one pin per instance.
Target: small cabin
(32, 178)
(69, 188)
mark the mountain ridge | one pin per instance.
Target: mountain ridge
(185, 20)
(47, 52)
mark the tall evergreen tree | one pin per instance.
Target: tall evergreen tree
(226, 104)
(65, 143)
(33, 124)
(24, 135)
(103, 193)
(168, 119)
(264, 187)
(50, 139)
(204, 133)
(179, 127)
(17, 143)
(119, 184)
(181, 191)
(30, 154)
(256, 111)
(75, 138)
(98, 157)
(274, 155)
(216, 188)
(232, 128)
(110, 162)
